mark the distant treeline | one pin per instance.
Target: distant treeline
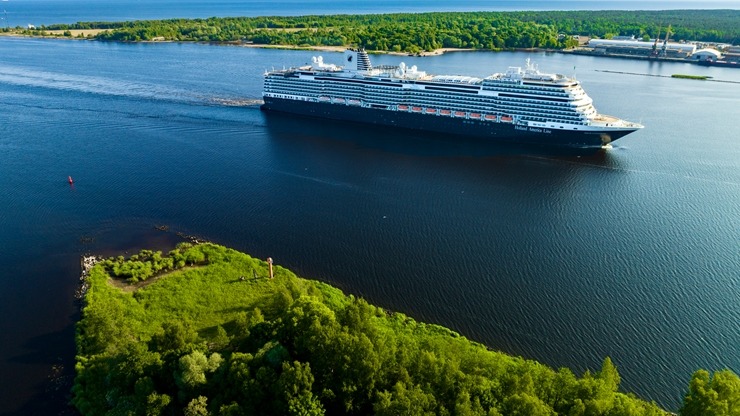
(213, 334)
(410, 32)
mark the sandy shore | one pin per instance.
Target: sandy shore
(75, 33)
(292, 47)
(435, 52)
(56, 33)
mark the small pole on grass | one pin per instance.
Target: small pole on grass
(269, 261)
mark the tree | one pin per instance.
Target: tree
(295, 384)
(700, 398)
(156, 403)
(231, 409)
(712, 396)
(175, 336)
(403, 400)
(192, 369)
(221, 340)
(526, 405)
(197, 407)
(609, 375)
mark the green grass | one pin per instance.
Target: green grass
(206, 295)
(699, 77)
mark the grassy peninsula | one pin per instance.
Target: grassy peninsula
(418, 32)
(204, 330)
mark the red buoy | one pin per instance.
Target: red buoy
(69, 179)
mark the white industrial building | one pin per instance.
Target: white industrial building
(641, 48)
(707, 55)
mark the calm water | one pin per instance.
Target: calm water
(564, 258)
(44, 12)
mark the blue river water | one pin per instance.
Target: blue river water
(562, 257)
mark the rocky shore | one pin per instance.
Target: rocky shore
(86, 263)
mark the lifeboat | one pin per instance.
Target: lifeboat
(324, 98)
(431, 111)
(338, 101)
(506, 119)
(474, 115)
(444, 112)
(459, 114)
(416, 109)
(402, 107)
(490, 117)
(354, 102)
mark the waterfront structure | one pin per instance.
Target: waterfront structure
(731, 54)
(707, 54)
(641, 48)
(521, 105)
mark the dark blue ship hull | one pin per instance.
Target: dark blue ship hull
(458, 126)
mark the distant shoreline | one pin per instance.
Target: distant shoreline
(87, 34)
(59, 34)
(435, 52)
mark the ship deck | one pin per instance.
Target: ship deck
(603, 118)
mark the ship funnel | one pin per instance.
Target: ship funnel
(356, 60)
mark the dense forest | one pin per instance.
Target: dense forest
(204, 330)
(429, 31)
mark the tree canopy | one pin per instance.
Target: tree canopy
(414, 32)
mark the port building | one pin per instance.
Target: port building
(707, 54)
(732, 54)
(641, 48)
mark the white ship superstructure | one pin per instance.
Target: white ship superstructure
(521, 104)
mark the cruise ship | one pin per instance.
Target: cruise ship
(522, 105)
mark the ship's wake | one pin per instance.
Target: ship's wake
(230, 102)
(101, 85)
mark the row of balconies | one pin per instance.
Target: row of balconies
(433, 100)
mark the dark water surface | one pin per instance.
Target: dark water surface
(633, 252)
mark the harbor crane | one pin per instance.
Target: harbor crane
(655, 45)
(665, 41)
(663, 50)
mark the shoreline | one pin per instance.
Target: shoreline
(59, 34)
(76, 35)
(436, 52)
